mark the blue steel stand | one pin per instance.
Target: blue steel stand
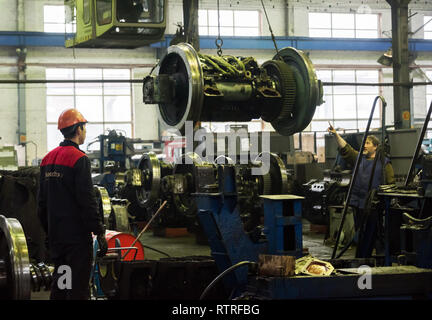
(283, 225)
(230, 244)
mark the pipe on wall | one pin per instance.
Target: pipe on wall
(21, 65)
(286, 18)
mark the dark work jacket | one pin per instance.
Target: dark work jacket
(360, 188)
(67, 204)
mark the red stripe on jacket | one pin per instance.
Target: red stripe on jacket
(64, 156)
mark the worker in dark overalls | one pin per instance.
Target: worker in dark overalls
(69, 212)
(366, 223)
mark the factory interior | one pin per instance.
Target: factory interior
(239, 151)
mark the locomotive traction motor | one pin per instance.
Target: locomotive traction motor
(191, 86)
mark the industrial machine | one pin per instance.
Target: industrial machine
(116, 158)
(18, 276)
(237, 239)
(192, 86)
(407, 218)
(233, 250)
(321, 194)
(116, 23)
(240, 243)
(324, 203)
(119, 150)
(177, 182)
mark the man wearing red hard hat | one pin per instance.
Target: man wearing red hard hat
(68, 210)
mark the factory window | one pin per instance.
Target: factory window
(428, 89)
(55, 19)
(343, 25)
(232, 23)
(346, 107)
(427, 27)
(107, 106)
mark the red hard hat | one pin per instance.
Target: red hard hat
(70, 117)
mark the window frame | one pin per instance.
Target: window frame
(234, 26)
(71, 25)
(377, 114)
(427, 32)
(355, 30)
(356, 94)
(103, 94)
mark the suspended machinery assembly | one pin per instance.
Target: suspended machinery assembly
(191, 86)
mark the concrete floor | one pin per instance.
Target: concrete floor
(187, 246)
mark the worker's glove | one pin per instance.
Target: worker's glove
(103, 245)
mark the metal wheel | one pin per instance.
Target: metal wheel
(104, 203)
(267, 184)
(121, 218)
(276, 180)
(182, 62)
(286, 85)
(185, 203)
(309, 92)
(15, 279)
(150, 167)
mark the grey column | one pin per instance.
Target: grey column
(402, 94)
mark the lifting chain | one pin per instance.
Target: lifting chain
(218, 41)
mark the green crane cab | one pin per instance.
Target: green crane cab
(116, 23)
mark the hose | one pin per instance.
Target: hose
(220, 276)
(208, 60)
(219, 63)
(239, 63)
(145, 227)
(166, 254)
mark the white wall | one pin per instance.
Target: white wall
(8, 98)
(146, 126)
(9, 10)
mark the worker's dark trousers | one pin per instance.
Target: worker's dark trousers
(367, 232)
(79, 258)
